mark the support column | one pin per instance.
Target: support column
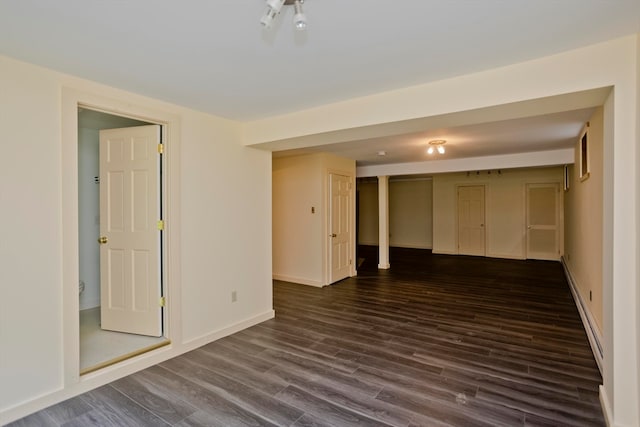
(383, 222)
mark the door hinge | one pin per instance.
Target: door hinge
(163, 301)
(160, 225)
(350, 262)
(160, 148)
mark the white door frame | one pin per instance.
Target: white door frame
(327, 223)
(72, 99)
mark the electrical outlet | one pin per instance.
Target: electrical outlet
(234, 296)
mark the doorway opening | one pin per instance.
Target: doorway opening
(110, 270)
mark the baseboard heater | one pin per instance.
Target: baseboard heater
(587, 320)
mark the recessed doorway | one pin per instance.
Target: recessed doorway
(103, 344)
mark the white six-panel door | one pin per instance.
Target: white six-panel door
(130, 287)
(471, 218)
(340, 230)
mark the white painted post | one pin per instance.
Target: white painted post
(383, 222)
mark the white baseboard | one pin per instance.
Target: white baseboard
(194, 343)
(368, 243)
(92, 303)
(440, 252)
(402, 245)
(595, 340)
(505, 256)
(111, 373)
(606, 407)
(299, 280)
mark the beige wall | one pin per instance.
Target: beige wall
(300, 251)
(368, 212)
(505, 215)
(583, 222)
(219, 221)
(410, 213)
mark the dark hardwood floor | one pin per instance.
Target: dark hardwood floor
(435, 341)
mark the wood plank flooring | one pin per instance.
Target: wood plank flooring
(435, 341)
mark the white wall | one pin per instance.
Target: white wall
(31, 308)
(226, 226)
(88, 217)
(219, 199)
(410, 213)
(505, 215)
(297, 233)
(583, 223)
(608, 64)
(300, 237)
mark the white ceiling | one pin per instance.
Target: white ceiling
(213, 55)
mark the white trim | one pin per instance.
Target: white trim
(589, 323)
(229, 330)
(404, 246)
(368, 243)
(440, 252)
(606, 407)
(504, 256)
(299, 280)
(71, 99)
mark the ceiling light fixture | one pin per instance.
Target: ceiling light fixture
(436, 144)
(273, 10)
(269, 15)
(299, 18)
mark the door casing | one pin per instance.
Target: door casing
(106, 101)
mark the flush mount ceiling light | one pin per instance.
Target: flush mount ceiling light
(436, 144)
(273, 10)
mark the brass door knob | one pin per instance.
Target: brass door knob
(102, 240)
